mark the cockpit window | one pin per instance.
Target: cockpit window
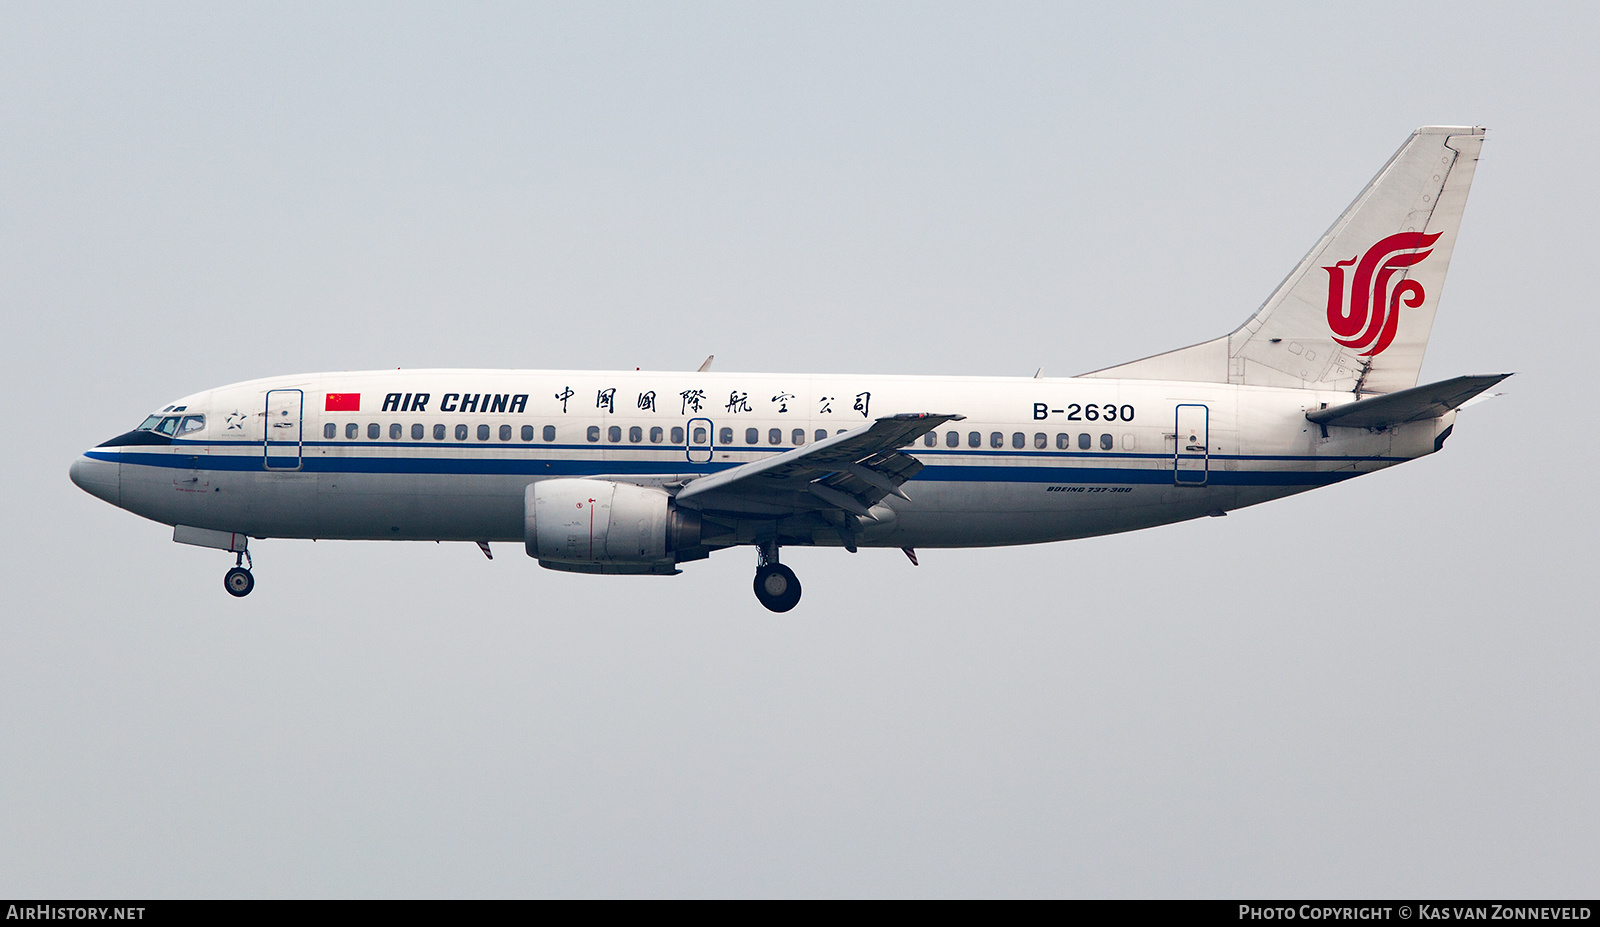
(150, 423)
(191, 423)
(168, 425)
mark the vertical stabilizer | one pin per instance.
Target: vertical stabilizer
(1356, 313)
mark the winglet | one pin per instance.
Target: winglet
(707, 364)
(916, 416)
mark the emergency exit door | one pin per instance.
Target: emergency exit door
(1191, 454)
(698, 437)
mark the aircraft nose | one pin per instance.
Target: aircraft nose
(99, 478)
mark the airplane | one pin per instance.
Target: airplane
(639, 472)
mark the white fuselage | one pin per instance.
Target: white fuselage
(1034, 460)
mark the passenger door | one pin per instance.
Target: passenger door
(281, 438)
(1191, 455)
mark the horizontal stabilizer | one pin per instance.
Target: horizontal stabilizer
(1408, 405)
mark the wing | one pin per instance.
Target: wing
(850, 472)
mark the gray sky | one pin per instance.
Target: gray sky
(1386, 687)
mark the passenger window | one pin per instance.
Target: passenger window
(614, 434)
(352, 430)
(1040, 441)
(483, 432)
(656, 434)
(931, 439)
(677, 435)
(394, 431)
(527, 433)
(1106, 443)
(1083, 442)
(725, 436)
(635, 434)
(461, 432)
(996, 439)
(330, 430)
(372, 431)
(1063, 442)
(417, 432)
(752, 436)
(505, 432)
(438, 432)
(821, 433)
(1019, 440)
(798, 436)
(594, 433)
(974, 439)
(775, 436)
(952, 439)
(549, 432)
(1127, 442)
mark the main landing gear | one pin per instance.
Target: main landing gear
(776, 586)
(238, 580)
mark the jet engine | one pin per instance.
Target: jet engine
(599, 526)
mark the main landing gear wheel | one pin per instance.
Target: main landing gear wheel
(776, 587)
(238, 582)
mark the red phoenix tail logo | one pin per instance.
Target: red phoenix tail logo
(1369, 317)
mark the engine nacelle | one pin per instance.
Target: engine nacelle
(598, 526)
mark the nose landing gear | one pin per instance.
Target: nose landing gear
(776, 586)
(238, 580)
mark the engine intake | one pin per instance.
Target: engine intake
(600, 526)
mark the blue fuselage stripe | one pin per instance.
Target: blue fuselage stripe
(1064, 472)
(921, 452)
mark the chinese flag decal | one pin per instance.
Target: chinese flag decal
(343, 402)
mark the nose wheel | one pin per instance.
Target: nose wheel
(777, 587)
(239, 580)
